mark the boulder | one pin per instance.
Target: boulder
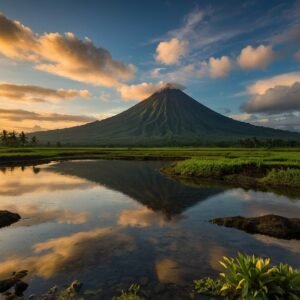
(271, 225)
(7, 218)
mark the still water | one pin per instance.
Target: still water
(112, 223)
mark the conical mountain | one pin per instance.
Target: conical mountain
(167, 117)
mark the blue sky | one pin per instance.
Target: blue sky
(240, 58)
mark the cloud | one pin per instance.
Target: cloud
(261, 86)
(256, 58)
(284, 121)
(62, 55)
(20, 114)
(143, 90)
(170, 52)
(275, 100)
(219, 67)
(17, 41)
(274, 95)
(32, 93)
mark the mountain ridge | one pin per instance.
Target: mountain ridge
(167, 117)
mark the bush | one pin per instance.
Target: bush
(284, 177)
(213, 168)
(249, 277)
(130, 294)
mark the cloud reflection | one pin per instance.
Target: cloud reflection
(78, 251)
(22, 181)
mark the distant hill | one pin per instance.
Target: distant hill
(168, 117)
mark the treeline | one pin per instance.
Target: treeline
(267, 143)
(15, 139)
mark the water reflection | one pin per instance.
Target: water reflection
(108, 223)
(141, 181)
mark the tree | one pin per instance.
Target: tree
(12, 139)
(4, 138)
(23, 139)
(33, 140)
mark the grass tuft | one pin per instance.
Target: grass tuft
(283, 177)
(214, 168)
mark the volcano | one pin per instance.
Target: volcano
(168, 117)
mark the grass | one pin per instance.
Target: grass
(214, 168)
(273, 157)
(288, 177)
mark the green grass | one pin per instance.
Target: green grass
(288, 177)
(214, 168)
(274, 157)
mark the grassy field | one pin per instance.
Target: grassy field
(284, 156)
(268, 166)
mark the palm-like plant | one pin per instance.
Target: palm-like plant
(252, 278)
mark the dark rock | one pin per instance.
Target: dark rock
(8, 283)
(271, 225)
(7, 218)
(20, 288)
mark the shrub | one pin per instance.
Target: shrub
(284, 177)
(130, 294)
(249, 277)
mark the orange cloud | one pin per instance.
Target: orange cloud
(19, 119)
(170, 52)
(32, 93)
(143, 90)
(256, 58)
(219, 67)
(62, 55)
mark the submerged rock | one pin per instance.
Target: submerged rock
(7, 218)
(271, 225)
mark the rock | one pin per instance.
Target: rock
(8, 283)
(20, 288)
(7, 218)
(271, 225)
(75, 286)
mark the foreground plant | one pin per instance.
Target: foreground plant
(130, 294)
(249, 277)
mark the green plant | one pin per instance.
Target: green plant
(208, 286)
(252, 278)
(130, 294)
(214, 168)
(285, 177)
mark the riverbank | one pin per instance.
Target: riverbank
(30, 155)
(244, 172)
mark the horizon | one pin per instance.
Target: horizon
(98, 60)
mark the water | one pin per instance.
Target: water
(112, 223)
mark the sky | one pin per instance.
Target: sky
(66, 63)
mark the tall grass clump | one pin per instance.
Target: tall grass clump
(252, 278)
(283, 177)
(130, 294)
(213, 168)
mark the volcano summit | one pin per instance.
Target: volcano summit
(168, 117)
